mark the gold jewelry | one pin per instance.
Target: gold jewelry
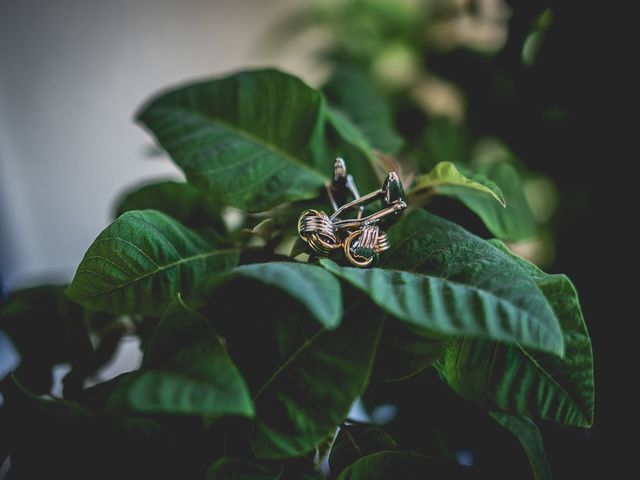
(361, 239)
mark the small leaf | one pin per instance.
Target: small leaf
(513, 223)
(446, 179)
(529, 436)
(242, 469)
(140, 262)
(354, 441)
(514, 379)
(351, 91)
(186, 370)
(312, 286)
(443, 142)
(180, 201)
(401, 465)
(444, 279)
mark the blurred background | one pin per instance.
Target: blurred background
(528, 78)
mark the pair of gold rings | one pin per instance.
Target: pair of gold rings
(361, 238)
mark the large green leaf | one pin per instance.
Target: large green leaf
(354, 441)
(400, 465)
(186, 370)
(140, 262)
(313, 389)
(514, 379)
(244, 138)
(446, 179)
(351, 91)
(529, 436)
(515, 222)
(241, 469)
(442, 278)
(312, 286)
(254, 139)
(179, 200)
(303, 377)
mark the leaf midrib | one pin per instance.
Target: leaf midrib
(353, 441)
(161, 268)
(539, 367)
(288, 362)
(425, 230)
(246, 135)
(530, 318)
(307, 342)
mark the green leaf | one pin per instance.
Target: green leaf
(140, 262)
(303, 377)
(241, 469)
(513, 223)
(443, 142)
(186, 370)
(405, 350)
(315, 288)
(313, 389)
(442, 278)
(513, 379)
(351, 91)
(400, 465)
(354, 441)
(529, 436)
(253, 140)
(446, 179)
(181, 201)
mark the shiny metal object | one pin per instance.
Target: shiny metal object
(362, 246)
(361, 238)
(315, 228)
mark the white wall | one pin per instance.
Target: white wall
(72, 73)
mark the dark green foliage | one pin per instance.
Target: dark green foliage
(140, 263)
(401, 465)
(47, 329)
(527, 432)
(355, 441)
(186, 370)
(253, 359)
(238, 469)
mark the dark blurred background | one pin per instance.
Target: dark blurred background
(544, 77)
